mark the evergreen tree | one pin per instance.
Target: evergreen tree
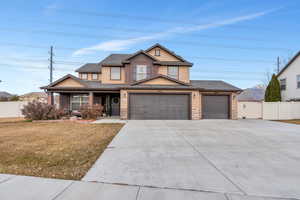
(273, 92)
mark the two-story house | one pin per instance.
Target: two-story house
(289, 78)
(149, 84)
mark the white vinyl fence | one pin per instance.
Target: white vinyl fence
(11, 108)
(269, 110)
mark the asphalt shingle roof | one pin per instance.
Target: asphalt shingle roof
(114, 59)
(90, 67)
(214, 85)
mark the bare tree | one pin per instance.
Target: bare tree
(267, 78)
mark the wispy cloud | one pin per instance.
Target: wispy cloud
(118, 45)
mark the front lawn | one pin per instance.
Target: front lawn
(64, 150)
(294, 121)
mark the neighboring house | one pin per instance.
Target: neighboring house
(38, 96)
(5, 96)
(150, 84)
(289, 78)
(255, 94)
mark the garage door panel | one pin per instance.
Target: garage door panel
(215, 107)
(159, 106)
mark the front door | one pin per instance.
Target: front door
(115, 106)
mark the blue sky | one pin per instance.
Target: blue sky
(233, 40)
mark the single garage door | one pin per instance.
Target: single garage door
(215, 107)
(159, 106)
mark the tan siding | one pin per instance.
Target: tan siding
(195, 101)
(159, 81)
(106, 76)
(184, 74)
(164, 56)
(69, 83)
(163, 70)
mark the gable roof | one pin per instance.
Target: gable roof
(160, 76)
(140, 52)
(90, 67)
(114, 59)
(64, 78)
(167, 50)
(289, 63)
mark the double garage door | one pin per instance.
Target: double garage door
(175, 106)
(159, 106)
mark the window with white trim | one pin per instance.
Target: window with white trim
(283, 84)
(141, 72)
(84, 76)
(298, 81)
(115, 73)
(173, 72)
(95, 76)
(78, 100)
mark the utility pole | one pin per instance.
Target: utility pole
(51, 64)
(278, 65)
(50, 94)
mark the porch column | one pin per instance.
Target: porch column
(50, 98)
(91, 99)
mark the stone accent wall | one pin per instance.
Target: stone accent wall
(234, 106)
(196, 106)
(200, 105)
(123, 104)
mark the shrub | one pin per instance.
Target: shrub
(91, 112)
(273, 93)
(36, 110)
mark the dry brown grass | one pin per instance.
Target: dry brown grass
(294, 121)
(64, 150)
(11, 119)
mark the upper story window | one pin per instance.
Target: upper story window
(157, 52)
(84, 76)
(173, 72)
(115, 73)
(141, 72)
(283, 84)
(95, 76)
(298, 81)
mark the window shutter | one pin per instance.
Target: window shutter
(134, 73)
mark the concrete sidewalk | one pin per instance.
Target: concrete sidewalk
(34, 188)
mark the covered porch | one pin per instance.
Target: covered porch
(73, 101)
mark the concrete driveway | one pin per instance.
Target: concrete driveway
(255, 158)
